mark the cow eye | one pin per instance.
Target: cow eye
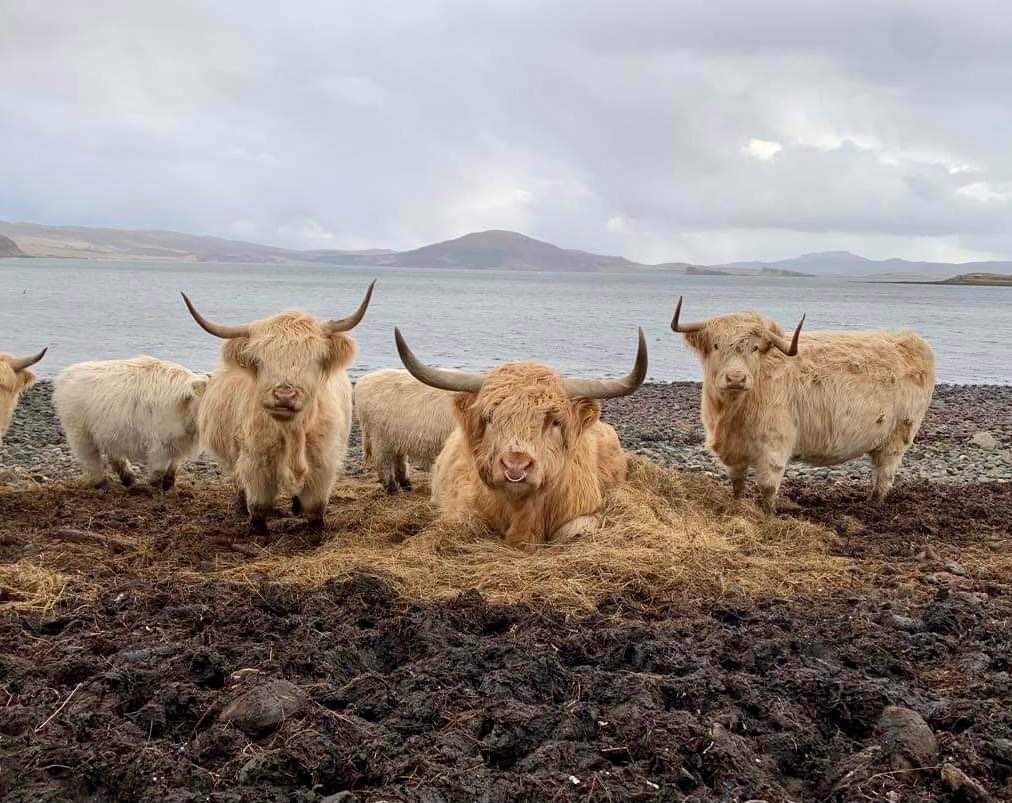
(755, 347)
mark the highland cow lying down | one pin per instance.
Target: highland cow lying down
(824, 399)
(530, 455)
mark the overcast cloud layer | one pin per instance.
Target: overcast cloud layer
(697, 131)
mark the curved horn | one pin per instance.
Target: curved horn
(781, 344)
(611, 388)
(355, 318)
(684, 328)
(216, 329)
(20, 363)
(441, 378)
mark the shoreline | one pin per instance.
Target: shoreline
(660, 422)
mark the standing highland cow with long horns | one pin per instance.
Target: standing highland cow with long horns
(823, 399)
(530, 456)
(277, 413)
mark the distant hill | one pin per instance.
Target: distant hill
(495, 250)
(9, 248)
(852, 266)
(80, 242)
(484, 250)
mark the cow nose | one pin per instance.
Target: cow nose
(285, 393)
(736, 377)
(516, 466)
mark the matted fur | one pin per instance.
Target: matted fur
(845, 394)
(12, 384)
(138, 409)
(523, 408)
(302, 454)
(402, 421)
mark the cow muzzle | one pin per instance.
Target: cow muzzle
(735, 382)
(517, 472)
(284, 403)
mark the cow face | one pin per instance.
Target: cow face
(289, 356)
(732, 347)
(522, 427)
(14, 378)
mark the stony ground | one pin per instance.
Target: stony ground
(966, 436)
(895, 688)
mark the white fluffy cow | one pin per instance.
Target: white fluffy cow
(141, 409)
(401, 421)
(14, 378)
(824, 399)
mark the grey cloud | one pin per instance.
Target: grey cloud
(597, 126)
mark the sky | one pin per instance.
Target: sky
(662, 131)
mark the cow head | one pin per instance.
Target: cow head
(289, 355)
(14, 378)
(732, 347)
(522, 420)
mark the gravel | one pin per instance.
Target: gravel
(966, 437)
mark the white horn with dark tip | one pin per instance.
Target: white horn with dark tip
(792, 349)
(612, 388)
(217, 329)
(353, 320)
(683, 327)
(20, 363)
(442, 378)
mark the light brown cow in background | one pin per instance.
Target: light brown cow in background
(530, 456)
(14, 378)
(401, 421)
(823, 400)
(277, 413)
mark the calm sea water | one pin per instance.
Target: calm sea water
(580, 324)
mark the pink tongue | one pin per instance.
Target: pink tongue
(516, 477)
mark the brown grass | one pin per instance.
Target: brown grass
(668, 536)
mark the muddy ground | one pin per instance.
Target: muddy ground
(896, 687)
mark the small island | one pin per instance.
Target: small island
(994, 279)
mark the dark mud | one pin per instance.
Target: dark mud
(164, 692)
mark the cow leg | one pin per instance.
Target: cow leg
(123, 471)
(386, 469)
(738, 475)
(581, 525)
(401, 472)
(161, 469)
(86, 451)
(769, 474)
(315, 493)
(885, 462)
(260, 491)
(239, 504)
(296, 506)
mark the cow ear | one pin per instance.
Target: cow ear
(586, 413)
(197, 387)
(234, 353)
(24, 379)
(468, 415)
(697, 340)
(342, 351)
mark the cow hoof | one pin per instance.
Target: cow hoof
(296, 506)
(168, 482)
(406, 485)
(391, 487)
(239, 505)
(258, 526)
(97, 485)
(128, 480)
